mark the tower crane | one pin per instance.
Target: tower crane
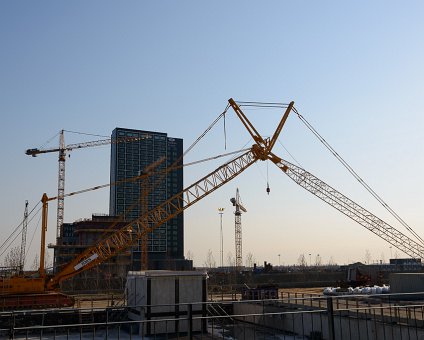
(236, 201)
(23, 241)
(62, 150)
(114, 243)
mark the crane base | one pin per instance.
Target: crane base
(35, 301)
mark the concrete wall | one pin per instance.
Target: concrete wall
(347, 325)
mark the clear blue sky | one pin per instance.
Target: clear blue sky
(354, 70)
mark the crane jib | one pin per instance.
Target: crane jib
(86, 261)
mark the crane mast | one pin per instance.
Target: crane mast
(61, 184)
(236, 201)
(23, 241)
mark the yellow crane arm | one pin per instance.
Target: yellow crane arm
(263, 147)
(349, 208)
(279, 128)
(247, 124)
(133, 231)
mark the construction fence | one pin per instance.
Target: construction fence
(292, 316)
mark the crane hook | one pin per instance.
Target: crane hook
(267, 180)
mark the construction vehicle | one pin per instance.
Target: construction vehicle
(43, 286)
(62, 150)
(236, 201)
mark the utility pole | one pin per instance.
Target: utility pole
(221, 238)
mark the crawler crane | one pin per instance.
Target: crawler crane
(39, 288)
(43, 285)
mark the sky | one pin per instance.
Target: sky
(353, 69)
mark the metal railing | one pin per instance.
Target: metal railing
(293, 316)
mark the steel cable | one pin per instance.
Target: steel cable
(355, 174)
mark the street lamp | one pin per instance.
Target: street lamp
(221, 236)
(310, 260)
(279, 260)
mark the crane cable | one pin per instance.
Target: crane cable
(206, 131)
(86, 134)
(339, 158)
(354, 173)
(33, 234)
(8, 242)
(175, 165)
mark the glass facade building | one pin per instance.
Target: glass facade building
(148, 152)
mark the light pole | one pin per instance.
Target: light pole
(221, 236)
(310, 260)
(279, 260)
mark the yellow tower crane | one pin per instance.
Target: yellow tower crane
(62, 150)
(39, 289)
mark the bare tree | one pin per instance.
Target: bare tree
(36, 263)
(190, 255)
(47, 261)
(301, 261)
(250, 260)
(12, 258)
(367, 256)
(210, 260)
(382, 258)
(331, 261)
(318, 260)
(230, 260)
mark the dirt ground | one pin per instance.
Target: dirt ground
(315, 290)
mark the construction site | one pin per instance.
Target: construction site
(124, 275)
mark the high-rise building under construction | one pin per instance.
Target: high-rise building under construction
(149, 152)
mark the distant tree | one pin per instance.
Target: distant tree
(230, 260)
(250, 260)
(12, 258)
(35, 263)
(210, 260)
(190, 255)
(47, 261)
(367, 256)
(318, 260)
(382, 258)
(301, 261)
